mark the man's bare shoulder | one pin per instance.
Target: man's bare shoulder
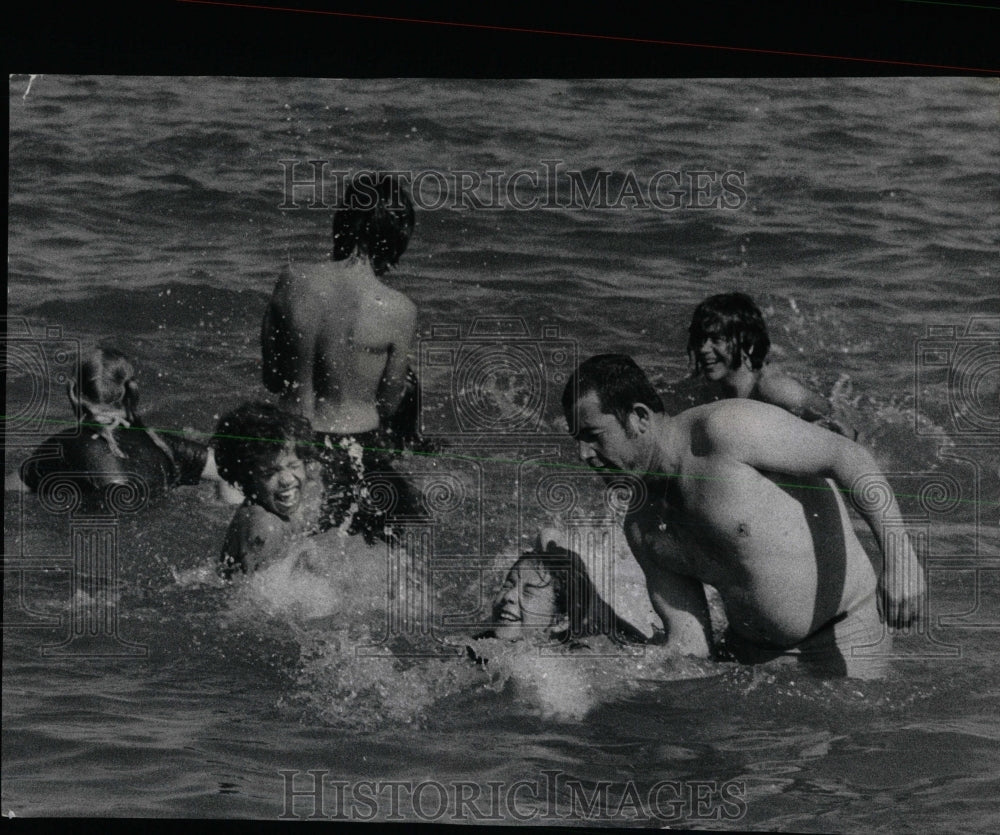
(387, 313)
(719, 423)
(297, 284)
(295, 276)
(776, 387)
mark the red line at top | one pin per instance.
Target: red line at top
(621, 38)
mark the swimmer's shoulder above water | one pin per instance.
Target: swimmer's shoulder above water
(109, 443)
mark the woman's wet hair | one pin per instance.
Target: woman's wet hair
(375, 219)
(254, 434)
(578, 604)
(618, 382)
(107, 378)
(735, 318)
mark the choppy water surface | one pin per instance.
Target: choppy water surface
(144, 213)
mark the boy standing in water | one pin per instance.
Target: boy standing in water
(336, 344)
(728, 341)
(257, 448)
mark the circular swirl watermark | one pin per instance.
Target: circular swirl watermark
(940, 494)
(62, 492)
(871, 494)
(625, 494)
(556, 493)
(127, 495)
(444, 493)
(380, 493)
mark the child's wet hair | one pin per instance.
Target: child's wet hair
(735, 318)
(107, 378)
(253, 434)
(375, 219)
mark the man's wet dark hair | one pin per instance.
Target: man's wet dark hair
(618, 382)
(253, 434)
(735, 318)
(374, 219)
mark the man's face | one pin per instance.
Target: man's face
(602, 442)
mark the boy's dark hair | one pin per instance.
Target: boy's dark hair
(618, 382)
(735, 318)
(375, 219)
(254, 433)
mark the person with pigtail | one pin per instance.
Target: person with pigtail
(110, 444)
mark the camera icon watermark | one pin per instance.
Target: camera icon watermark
(36, 363)
(966, 368)
(495, 380)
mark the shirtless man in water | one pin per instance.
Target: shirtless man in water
(739, 497)
(336, 343)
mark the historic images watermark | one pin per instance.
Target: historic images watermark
(37, 363)
(493, 379)
(551, 797)
(314, 184)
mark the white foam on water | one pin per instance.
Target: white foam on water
(328, 575)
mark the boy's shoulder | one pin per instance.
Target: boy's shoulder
(782, 390)
(250, 517)
(775, 386)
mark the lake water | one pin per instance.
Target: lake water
(146, 213)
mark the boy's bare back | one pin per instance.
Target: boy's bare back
(336, 343)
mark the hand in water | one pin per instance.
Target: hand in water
(902, 591)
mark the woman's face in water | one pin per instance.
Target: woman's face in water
(526, 600)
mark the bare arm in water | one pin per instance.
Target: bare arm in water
(786, 392)
(400, 328)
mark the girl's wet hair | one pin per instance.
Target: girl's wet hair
(735, 318)
(107, 378)
(108, 388)
(575, 596)
(375, 219)
(253, 435)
